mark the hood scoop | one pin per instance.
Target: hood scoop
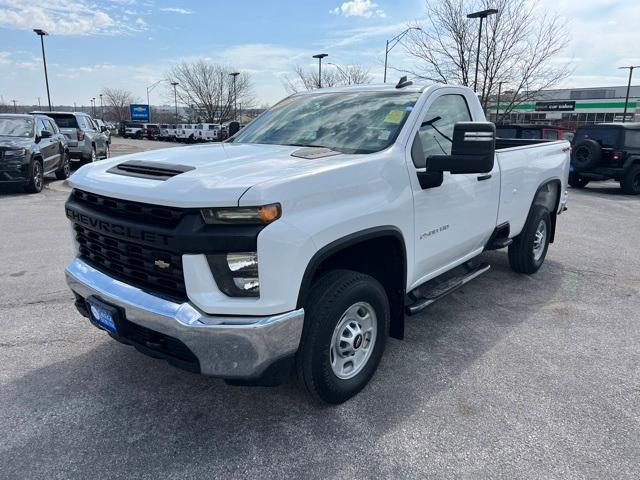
(314, 152)
(151, 170)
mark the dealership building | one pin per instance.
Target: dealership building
(572, 107)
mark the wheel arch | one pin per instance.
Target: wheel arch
(375, 252)
(548, 195)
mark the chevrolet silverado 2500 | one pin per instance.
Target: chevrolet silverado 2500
(299, 245)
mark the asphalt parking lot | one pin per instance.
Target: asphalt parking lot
(509, 377)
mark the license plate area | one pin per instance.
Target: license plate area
(102, 314)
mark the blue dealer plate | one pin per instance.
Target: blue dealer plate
(101, 315)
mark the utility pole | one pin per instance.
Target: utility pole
(15, 108)
(626, 100)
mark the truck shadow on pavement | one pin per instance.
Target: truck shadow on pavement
(115, 411)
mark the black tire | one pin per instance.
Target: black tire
(94, 155)
(65, 169)
(36, 177)
(586, 155)
(332, 295)
(526, 253)
(630, 183)
(577, 181)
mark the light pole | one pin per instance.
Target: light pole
(235, 96)
(498, 102)
(394, 41)
(15, 108)
(626, 101)
(101, 108)
(481, 15)
(175, 97)
(39, 105)
(150, 88)
(41, 34)
(320, 56)
(93, 106)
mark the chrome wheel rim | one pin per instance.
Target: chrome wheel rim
(353, 340)
(539, 240)
(66, 167)
(93, 154)
(37, 176)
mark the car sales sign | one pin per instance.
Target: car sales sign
(139, 112)
(555, 106)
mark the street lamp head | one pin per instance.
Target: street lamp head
(234, 74)
(321, 55)
(40, 32)
(483, 13)
(175, 84)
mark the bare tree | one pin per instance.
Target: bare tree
(207, 90)
(519, 48)
(331, 77)
(117, 103)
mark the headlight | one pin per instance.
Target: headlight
(21, 152)
(236, 274)
(264, 214)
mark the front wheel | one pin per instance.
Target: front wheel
(344, 335)
(36, 177)
(529, 249)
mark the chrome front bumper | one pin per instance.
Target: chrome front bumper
(226, 346)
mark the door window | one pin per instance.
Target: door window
(442, 115)
(41, 126)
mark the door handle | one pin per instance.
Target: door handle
(484, 177)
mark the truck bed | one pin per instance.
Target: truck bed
(524, 166)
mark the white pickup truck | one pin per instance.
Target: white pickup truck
(299, 245)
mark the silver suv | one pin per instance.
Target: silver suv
(87, 141)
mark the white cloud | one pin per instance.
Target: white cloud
(359, 8)
(66, 17)
(182, 11)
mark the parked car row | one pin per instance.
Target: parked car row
(183, 132)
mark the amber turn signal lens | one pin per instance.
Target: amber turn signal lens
(269, 213)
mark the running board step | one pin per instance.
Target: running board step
(447, 287)
(499, 243)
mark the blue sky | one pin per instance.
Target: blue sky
(129, 44)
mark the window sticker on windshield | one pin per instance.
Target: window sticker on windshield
(394, 116)
(384, 135)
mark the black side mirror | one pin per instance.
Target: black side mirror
(45, 134)
(103, 128)
(234, 127)
(473, 150)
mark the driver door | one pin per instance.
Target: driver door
(454, 220)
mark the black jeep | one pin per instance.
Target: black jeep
(607, 151)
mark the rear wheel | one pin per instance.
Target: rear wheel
(344, 335)
(65, 168)
(36, 177)
(630, 183)
(577, 181)
(529, 249)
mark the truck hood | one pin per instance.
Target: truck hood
(218, 175)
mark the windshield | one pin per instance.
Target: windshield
(606, 137)
(358, 122)
(16, 127)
